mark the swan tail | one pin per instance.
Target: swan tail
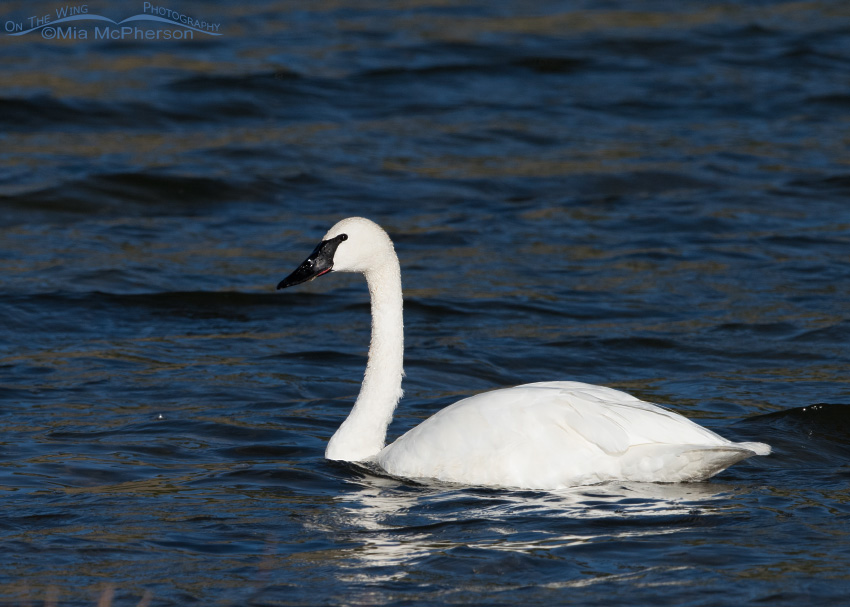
(757, 448)
(685, 463)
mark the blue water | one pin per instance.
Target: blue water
(651, 196)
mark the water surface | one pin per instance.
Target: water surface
(653, 198)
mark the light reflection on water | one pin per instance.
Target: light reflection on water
(379, 504)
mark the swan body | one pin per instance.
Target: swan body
(546, 435)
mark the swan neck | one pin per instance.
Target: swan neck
(363, 433)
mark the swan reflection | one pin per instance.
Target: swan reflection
(396, 524)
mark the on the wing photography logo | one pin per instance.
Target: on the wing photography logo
(76, 22)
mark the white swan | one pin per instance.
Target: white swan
(546, 435)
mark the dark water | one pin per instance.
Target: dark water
(652, 196)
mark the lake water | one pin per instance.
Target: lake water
(651, 196)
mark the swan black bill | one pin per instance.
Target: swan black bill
(320, 261)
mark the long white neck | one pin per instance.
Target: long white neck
(363, 433)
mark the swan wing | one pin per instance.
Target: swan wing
(615, 421)
(556, 434)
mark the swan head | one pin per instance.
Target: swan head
(355, 244)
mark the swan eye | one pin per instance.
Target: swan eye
(343, 237)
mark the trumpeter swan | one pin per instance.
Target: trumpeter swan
(545, 435)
